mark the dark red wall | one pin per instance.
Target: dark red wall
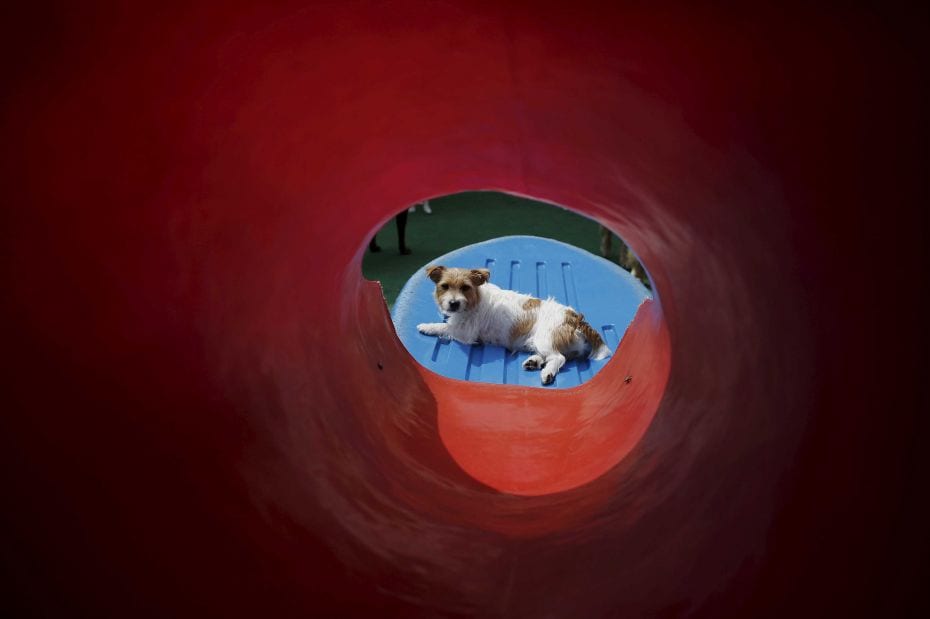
(196, 420)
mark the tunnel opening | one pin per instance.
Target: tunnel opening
(520, 252)
(496, 420)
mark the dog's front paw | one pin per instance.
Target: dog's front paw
(431, 328)
(547, 376)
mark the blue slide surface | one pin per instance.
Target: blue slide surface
(606, 294)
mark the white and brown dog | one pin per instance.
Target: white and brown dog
(480, 312)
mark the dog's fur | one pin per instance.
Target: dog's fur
(480, 312)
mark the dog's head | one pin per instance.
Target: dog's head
(457, 289)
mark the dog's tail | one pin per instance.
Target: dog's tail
(599, 349)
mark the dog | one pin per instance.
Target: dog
(480, 312)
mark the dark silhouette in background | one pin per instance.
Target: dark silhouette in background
(401, 222)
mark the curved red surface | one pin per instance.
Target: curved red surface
(532, 442)
(209, 414)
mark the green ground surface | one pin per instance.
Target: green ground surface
(466, 218)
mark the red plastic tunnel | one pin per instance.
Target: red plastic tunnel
(209, 413)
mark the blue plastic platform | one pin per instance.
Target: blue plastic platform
(607, 295)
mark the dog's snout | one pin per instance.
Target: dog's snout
(454, 305)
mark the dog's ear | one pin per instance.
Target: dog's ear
(435, 273)
(479, 276)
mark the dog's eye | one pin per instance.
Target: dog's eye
(444, 286)
(466, 288)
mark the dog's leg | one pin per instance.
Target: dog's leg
(440, 329)
(534, 362)
(554, 363)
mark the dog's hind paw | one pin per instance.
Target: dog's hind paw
(602, 352)
(533, 363)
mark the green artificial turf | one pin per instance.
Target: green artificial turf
(466, 218)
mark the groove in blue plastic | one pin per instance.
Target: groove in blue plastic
(607, 295)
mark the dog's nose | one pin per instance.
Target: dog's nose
(454, 305)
